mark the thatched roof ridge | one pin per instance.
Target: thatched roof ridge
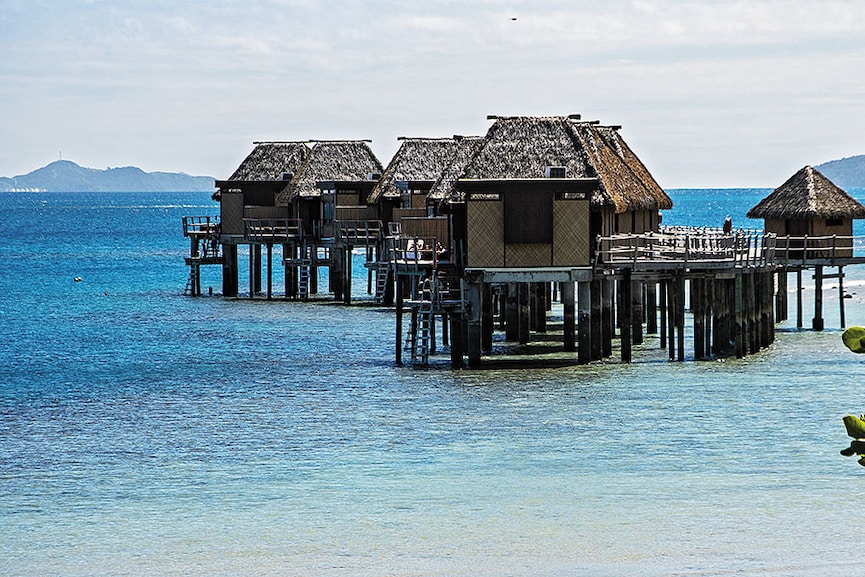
(523, 147)
(467, 147)
(625, 183)
(807, 195)
(331, 160)
(416, 159)
(271, 160)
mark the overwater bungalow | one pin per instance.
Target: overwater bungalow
(479, 232)
(328, 195)
(526, 209)
(248, 195)
(813, 221)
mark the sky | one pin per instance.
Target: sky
(713, 94)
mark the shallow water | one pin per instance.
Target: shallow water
(147, 433)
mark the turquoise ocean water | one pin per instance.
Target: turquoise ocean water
(143, 433)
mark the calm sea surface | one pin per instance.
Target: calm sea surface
(144, 433)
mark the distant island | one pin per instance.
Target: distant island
(66, 176)
(846, 172)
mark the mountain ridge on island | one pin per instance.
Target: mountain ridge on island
(846, 172)
(67, 176)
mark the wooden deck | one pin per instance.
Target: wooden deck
(676, 248)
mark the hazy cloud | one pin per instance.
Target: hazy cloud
(710, 93)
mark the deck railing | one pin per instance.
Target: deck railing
(272, 230)
(793, 250)
(200, 225)
(683, 246)
(412, 253)
(359, 232)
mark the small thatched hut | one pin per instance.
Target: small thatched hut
(411, 172)
(810, 205)
(336, 174)
(251, 191)
(539, 190)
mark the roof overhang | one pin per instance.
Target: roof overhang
(552, 185)
(362, 185)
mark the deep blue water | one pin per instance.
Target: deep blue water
(147, 433)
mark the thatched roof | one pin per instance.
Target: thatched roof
(416, 159)
(807, 195)
(523, 147)
(271, 160)
(346, 160)
(467, 147)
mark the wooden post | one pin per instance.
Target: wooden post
(662, 297)
(739, 330)
(597, 319)
(799, 290)
(680, 313)
(229, 270)
(257, 268)
(637, 312)
(841, 296)
(269, 271)
(625, 313)
(456, 331)
(708, 311)
(399, 305)
(251, 271)
(346, 276)
(651, 308)
(512, 312)
(569, 311)
(817, 321)
(607, 329)
(671, 318)
(524, 316)
(699, 314)
(487, 324)
(584, 321)
(473, 332)
(781, 296)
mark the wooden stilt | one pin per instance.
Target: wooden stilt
(607, 329)
(524, 313)
(597, 319)
(799, 290)
(584, 322)
(487, 323)
(680, 313)
(671, 318)
(269, 271)
(257, 267)
(698, 314)
(738, 308)
(251, 271)
(651, 307)
(817, 321)
(569, 311)
(474, 324)
(456, 341)
(637, 312)
(512, 312)
(229, 270)
(781, 296)
(662, 297)
(841, 296)
(625, 313)
(399, 307)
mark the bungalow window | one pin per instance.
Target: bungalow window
(834, 222)
(528, 217)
